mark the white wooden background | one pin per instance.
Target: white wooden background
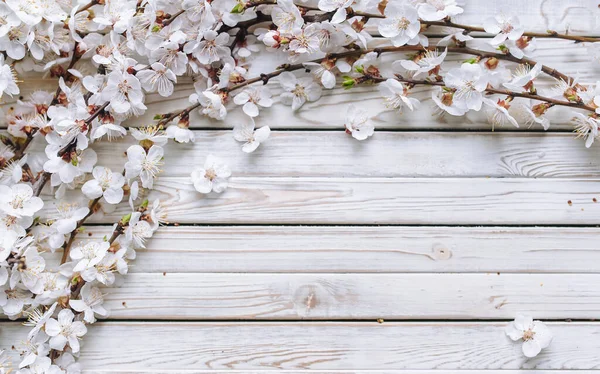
(440, 227)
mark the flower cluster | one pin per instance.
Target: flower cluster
(108, 55)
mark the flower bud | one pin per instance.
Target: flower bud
(348, 82)
(492, 63)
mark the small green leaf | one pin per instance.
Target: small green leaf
(125, 219)
(238, 8)
(348, 82)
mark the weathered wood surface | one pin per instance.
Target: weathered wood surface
(429, 201)
(387, 154)
(371, 249)
(185, 346)
(410, 175)
(173, 296)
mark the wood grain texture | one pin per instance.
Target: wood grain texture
(174, 296)
(326, 249)
(430, 201)
(134, 346)
(386, 154)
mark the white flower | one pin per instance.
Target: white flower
(253, 97)
(506, 27)
(212, 104)
(523, 77)
(523, 114)
(124, 92)
(19, 201)
(244, 132)
(152, 134)
(425, 62)
(138, 230)
(435, 10)
(323, 72)
(116, 15)
(456, 37)
(305, 40)
(212, 177)
(401, 24)
(8, 77)
(522, 47)
(88, 255)
(586, 127)
(37, 319)
(358, 123)
(12, 300)
(105, 183)
(298, 91)
(498, 113)
(14, 41)
(29, 274)
(469, 81)
(65, 171)
(395, 95)
(90, 303)
(64, 330)
(212, 48)
(181, 134)
(286, 16)
(339, 6)
(147, 166)
(68, 216)
(446, 104)
(159, 78)
(536, 336)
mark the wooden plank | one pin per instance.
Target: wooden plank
(177, 296)
(325, 249)
(387, 154)
(245, 347)
(405, 201)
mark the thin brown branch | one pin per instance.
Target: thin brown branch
(491, 90)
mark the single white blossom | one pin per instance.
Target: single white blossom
(469, 81)
(395, 95)
(358, 123)
(252, 98)
(244, 132)
(504, 26)
(64, 330)
(401, 24)
(436, 10)
(106, 184)
(298, 91)
(535, 335)
(142, 164)
(212, 176)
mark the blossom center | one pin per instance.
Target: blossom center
(210, 174)
(528, 335)
(403, 23)
(299, 91)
